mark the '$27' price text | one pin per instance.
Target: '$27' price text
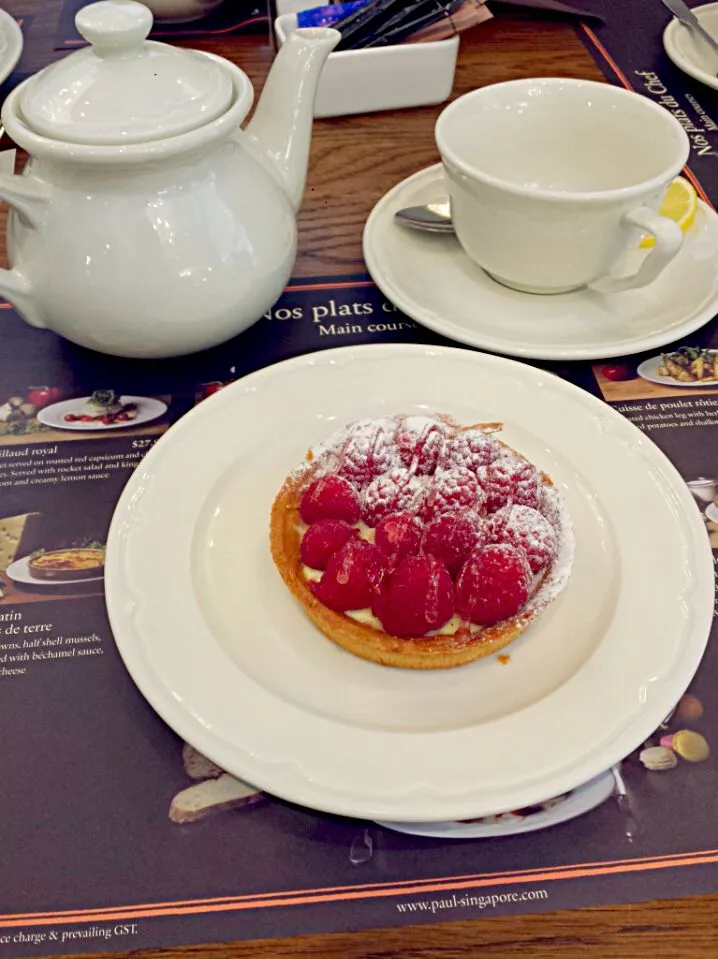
(143, 444)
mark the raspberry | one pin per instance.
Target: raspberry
(397, 536)
(394, 492)
(511, 480)
(452, 536)
(526, 529)
(472, 449)
(368, 451)
(420, 442)
(453, 489)
(419, 597)
(493, 585)
(352, 578)
(330, 497)
(322, 540)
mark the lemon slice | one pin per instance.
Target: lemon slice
(680, 204)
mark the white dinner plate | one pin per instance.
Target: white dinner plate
(220, 648)
(54, 415)
(11, 43)
(431, 279)
(19, 572)
(691, 54)
(648, 371)
(551, 813)
(712, 512)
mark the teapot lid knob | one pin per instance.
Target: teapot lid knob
(125, 89)
(114, 27)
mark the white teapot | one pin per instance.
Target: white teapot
(146, 222)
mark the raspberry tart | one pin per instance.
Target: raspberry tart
(416, 542)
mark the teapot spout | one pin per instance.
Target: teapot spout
(281, 127)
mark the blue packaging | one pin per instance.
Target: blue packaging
(326, 16)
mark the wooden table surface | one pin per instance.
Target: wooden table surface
(353, 162)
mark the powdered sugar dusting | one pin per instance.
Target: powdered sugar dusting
(528, 529)
(511, 479)
(471, 449)
(453, 489)
(368, 452)
(425, 465)
(352, 443)
(397, 491)
(361, 433)
(420, 442)
(558, 575)
(550, 506)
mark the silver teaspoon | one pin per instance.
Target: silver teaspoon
(431, 217)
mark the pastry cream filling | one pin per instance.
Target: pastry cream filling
(452, 626)
(365, 532)
(366, 617)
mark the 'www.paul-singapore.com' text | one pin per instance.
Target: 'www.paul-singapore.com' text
(471, 902)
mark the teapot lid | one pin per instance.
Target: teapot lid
(124, 88)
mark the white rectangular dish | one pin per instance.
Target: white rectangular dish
(385, 78)
(294, 6)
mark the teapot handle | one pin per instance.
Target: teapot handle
(29, 197)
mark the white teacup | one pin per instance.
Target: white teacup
(553, 181)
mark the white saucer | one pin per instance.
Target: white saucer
(551, 813)
(11, 43)
(431, 279)
(648, 370)
(712, 512)
(690, 54)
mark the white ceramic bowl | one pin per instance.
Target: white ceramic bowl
(386, 78)
(690, 53)
(294, 6)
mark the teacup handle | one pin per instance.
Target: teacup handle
(669, 239)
